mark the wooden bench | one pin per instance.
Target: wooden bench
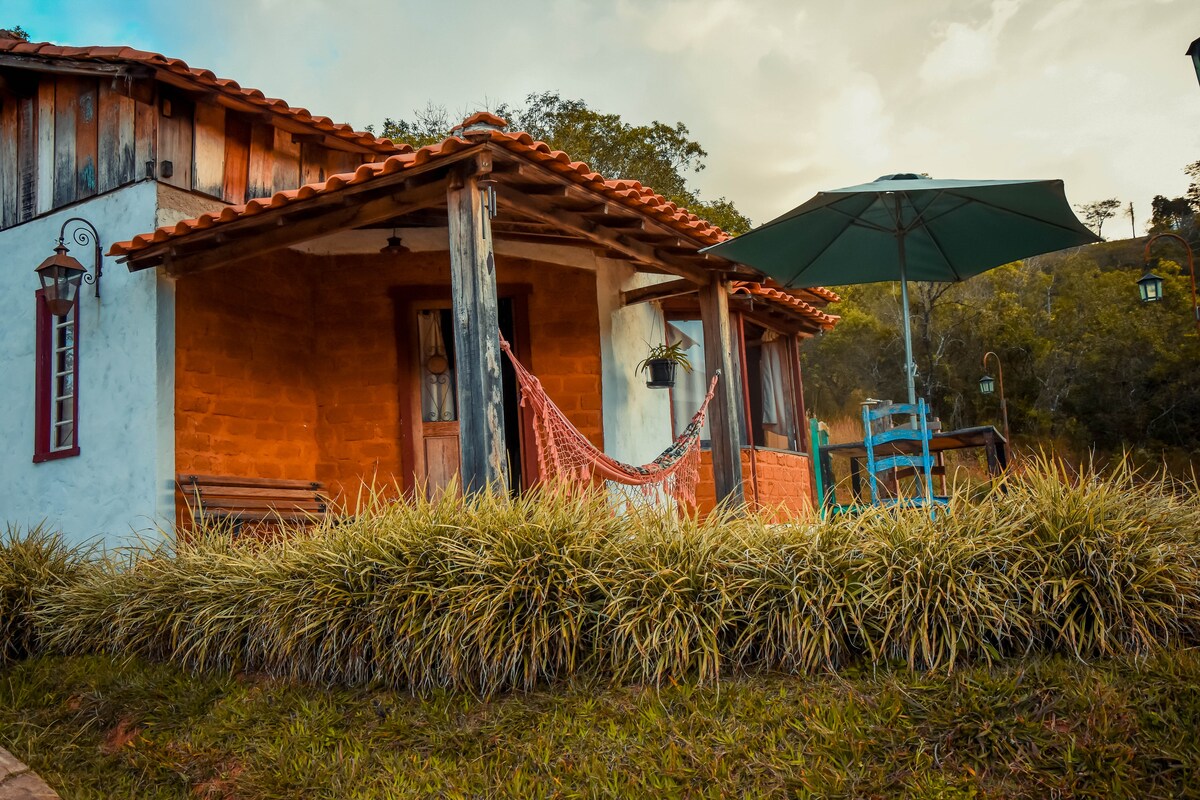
(240, 501)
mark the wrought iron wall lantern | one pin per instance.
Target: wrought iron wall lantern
(61, 274)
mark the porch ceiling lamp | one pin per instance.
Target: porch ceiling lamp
(394, 246)
(61, 274)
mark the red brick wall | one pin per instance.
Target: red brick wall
(564, 333)
(784, 482)
(289, 367)
(245, 399)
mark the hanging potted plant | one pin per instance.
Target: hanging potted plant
(661, 363)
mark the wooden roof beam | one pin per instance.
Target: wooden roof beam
(659, 291)
(89, 68)
(581, 226)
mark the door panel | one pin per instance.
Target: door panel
(439, 402)
(429, 402)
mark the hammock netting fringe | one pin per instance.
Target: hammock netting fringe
(566, 456)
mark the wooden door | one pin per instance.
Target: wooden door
(437, 448)
(428, 395)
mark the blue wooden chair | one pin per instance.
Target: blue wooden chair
(920, 465)
(827, 503)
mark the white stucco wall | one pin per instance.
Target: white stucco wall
(637, 419)
(120, 483)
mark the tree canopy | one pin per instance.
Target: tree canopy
(657, 154)
(1095, 214)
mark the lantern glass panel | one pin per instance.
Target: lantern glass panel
(1150, 286)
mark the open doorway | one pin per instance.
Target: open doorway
(434, 397)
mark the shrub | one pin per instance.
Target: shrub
(33, 562)
(493, 593)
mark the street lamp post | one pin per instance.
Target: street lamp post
(987, 385)
(1155, 292)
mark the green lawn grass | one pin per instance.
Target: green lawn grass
(1046, 727)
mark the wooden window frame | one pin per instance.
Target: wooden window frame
(795, 384)
(45, 395)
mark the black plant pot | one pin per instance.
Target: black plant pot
(662, 373)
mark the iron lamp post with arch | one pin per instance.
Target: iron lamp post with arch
(987, 385)
(1150, 286)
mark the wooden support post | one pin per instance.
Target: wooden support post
(722, 414)
(476, 333)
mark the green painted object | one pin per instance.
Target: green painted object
(907, 228)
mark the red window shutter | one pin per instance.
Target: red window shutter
(45, 385)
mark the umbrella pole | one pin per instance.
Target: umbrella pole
(909, 367)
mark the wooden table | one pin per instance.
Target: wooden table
(994, 445)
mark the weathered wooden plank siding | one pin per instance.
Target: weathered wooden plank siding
(71, 137)
(339, 161)
(208, 159)
(145, 138)
(312, 163)
(66, 105)
(8, 161)
(285, 171)
(237, 159)
(45, 145)
(175, 137)
(262, 157)
(116, 150)
(27, 163)
(86, 130)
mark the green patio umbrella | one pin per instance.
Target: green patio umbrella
(908, 228)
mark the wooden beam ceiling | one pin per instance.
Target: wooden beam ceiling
(659, 291)
(253, 237)
(581, 226)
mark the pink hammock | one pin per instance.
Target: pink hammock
(566, 455)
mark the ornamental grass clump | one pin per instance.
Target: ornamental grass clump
(33, 562)
(1112, 558)
(934, 593)
(491, 593)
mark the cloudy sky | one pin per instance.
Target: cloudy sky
(787, 97)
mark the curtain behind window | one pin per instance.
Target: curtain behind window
(690, 387)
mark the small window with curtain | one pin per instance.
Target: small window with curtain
(771, 389)
(56, 431)
(690, 387)
(769, 398)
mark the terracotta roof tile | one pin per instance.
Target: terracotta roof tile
(628, 193)
(781, 297)
(204, 79)
(480, 127)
